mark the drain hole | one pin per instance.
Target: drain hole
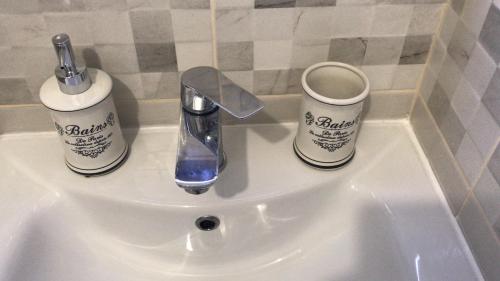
(207, 223)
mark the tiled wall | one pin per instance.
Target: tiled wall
(262, 44)
(457, 120)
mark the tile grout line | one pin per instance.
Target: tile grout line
(213, 29)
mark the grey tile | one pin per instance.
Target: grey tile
(383, 50)
(235, 55)
(415, 49)
(484, 131)
(315, 3)
(312, 23)
(438, 103)
(281, 20)
(190, 4)
(491, 98)
(461, 44)
(490, 34)
(470, 159)
(268, 82)
(452, 129)
(111, 27)
(19, 6)
(389, 105)
(156, 57)
(264, 4)
(118, 59)
(14, 91)
(294, 80)
(487, 191)
(457, 5)
(26, 30)
(480, 69)
(449, 76)
(425, 19)
(481, 239)
(76, 25)
(62, 5)
(494, 165)
(308, 52)
(161, 85)
(234, 25)
(151, 26)
(107, 5)
(348, 50)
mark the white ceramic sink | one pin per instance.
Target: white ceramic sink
(382, 217)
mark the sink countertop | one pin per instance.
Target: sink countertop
(382, 217)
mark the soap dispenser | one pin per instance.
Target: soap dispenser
(84, 114)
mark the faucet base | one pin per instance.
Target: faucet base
(196, 191)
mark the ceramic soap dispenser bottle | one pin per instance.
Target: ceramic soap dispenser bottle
(84, 113)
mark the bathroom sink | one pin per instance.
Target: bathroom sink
(382, 217)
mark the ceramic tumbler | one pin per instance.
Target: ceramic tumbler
(330, 114)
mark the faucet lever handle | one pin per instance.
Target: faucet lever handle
(204, 88)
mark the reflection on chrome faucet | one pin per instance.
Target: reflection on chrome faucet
(199, 152)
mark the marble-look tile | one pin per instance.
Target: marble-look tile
(109, 5)
(156, 57)
(491, 98)
(127, 86)
(352, 21)
(383, 50)
(407, 76)
(385, 23)
(76, 25)
(348, 50)
(281, 20)
(294, 81)
(425, 19)
(234, 25)
(480, 238)
(474, 14)
(438, 103)
(268, 82)
(452, 129)
(457, 5)
(12, 64)
(389, 105)
(224, 4)
(20, 7)
(480, 69)
(313, 23)
(191, 54)
(274, 54)
(244, 79)
(469, 159)
(26, 30)
(147, 4)
(38, 64)
(191, 25)
(355, 2)
(490, 34)
(461, 44)
(449, 76)
(416, 49)
(380, 76)
(315, 3)
(151, 26)
(429, 80)
(484, 131)
(118, 59)
(111, 27)
(494, 164)
(436, 56)
(487, 192)
(448, 24)
(190, 4)
(62, 5)
(14, 91)
(465, 102)
(161, 85)
(308, 52)
(265, 4)
(235, 56)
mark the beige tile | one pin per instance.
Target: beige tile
(437, 56)
(481, 239)
(449, 76)
(12, 64)
(161, 85)
(272, 54)
(148, 112)
(427, 85)
(191, 54)
(223, 4)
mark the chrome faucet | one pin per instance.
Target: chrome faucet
(200, 156)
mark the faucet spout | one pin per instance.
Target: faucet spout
(200, 156)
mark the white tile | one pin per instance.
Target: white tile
(352, 21)
(425, 19)
(437, 56)
(273, 24)
(448, 24)
(480, 69)
(380, 76)
(474, 13)
(244, 79)
(234, 25)
(465, 102)
(118, 59)
(111, 27)
(306, 53)
(407, 76)
(191, 54)
(386, 22)
(449, 76)
(221, 4)
(427, 85)
(487, 192)
(191, 25)
(272, 54)
(484, 131)
(469, 159)
(313, 23)
(27, 30)
(127, 86)
(76, 25)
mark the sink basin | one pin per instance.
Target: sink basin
(382, 217)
